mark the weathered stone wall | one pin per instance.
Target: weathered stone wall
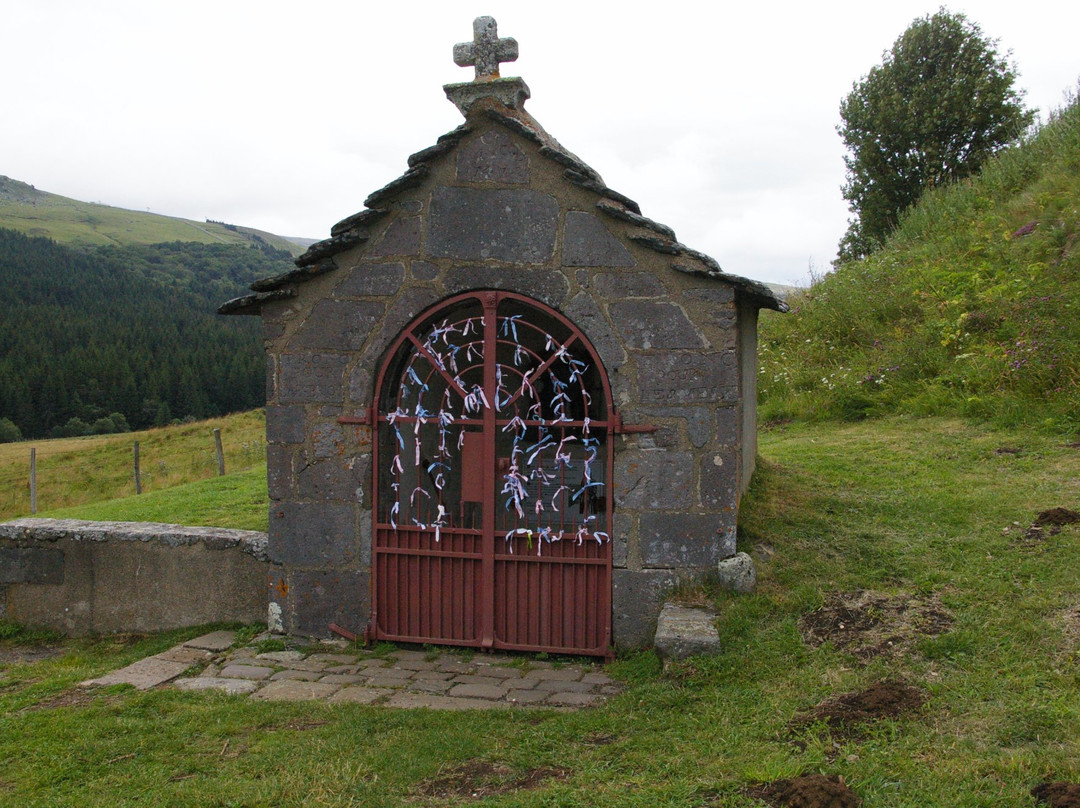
(102, 577)
(496, 212)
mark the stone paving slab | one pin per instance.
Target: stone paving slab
(435, 702)
(189, 656)
(407, 678)
(246, 672)
(293, 690)
(234, 687)
(215, 641)
(143, 675)
(359, 695)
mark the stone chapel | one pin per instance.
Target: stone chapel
(505, 410)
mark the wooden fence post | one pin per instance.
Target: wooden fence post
(138, 477)
(220, 453)
(33, 480)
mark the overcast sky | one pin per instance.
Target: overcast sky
(718, 118)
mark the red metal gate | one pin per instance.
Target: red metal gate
(492, 481)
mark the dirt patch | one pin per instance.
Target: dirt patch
(1006, 450)
(1047, 523)
(871, 624)
(72, 697)
(807, 791)
(1057, 795)
(477, 779)
(845, 714)
(27, 654)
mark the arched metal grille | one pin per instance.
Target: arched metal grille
(492, 480)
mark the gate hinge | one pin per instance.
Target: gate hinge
(631, 429)
(366, 419)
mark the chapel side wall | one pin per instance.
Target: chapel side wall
(496, 214)
(748, 373)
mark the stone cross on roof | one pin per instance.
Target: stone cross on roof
(486, 50)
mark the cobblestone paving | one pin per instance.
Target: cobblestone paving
(401, 678)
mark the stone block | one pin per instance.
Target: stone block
(311, 378)
(279, 471)
(654, 479)
(688, 378)
(515, 225)
(322, 597)
(312, 534)
(588, 243)
(404, 308)
(718, 294)
(401, 237)
(719, 471)
(423, 271)
(682, 633)
(338, 325)
(492, 157)
(327, 440)
(31, 565)
(684, 540)
(332, 479)
(737, 574)
(727, 426)
(361, 382)
(646, 324)
(621, 285)
(372, 279)
(284, 424)
(583, 311)
(544, 285)
(636, 600)
(622, 527)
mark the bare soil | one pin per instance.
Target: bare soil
(477, 779)
(1057, 795)
(871, 624)
(25, 654)
(1049, 523)
(807, 791)
(845, 714)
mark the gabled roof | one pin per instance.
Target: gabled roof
(354, 230)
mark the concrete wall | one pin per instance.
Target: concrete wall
(101, 577)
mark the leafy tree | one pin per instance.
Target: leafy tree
(9, 433)
(941, 102)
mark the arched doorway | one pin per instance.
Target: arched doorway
(492, 481)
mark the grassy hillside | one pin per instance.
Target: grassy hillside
(78, 471)
(972, 308)
(68, 221)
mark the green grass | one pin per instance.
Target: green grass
(79, 471)
(236, 500)
(898, 505)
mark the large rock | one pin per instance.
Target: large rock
(682, 633)
(738, 574)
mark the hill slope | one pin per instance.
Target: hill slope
(85, 333)
(68, 221)
(972, 308)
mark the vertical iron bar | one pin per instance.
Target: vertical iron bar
(487, 563)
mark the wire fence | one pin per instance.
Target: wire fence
(61, 475)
